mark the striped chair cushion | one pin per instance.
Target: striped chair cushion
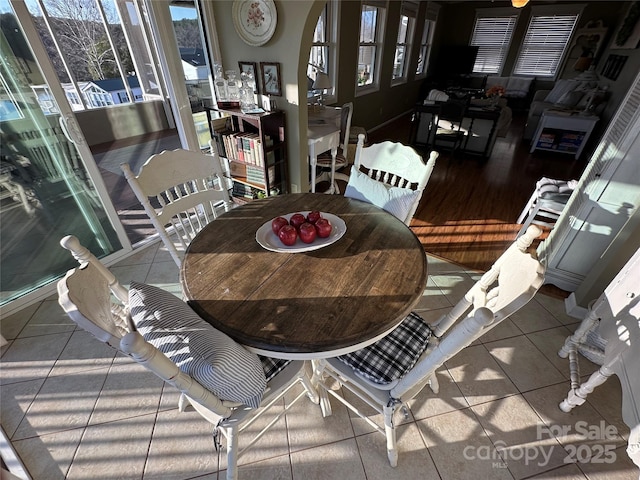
(211, 357)
(391, 357)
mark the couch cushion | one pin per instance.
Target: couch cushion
(211, 357)
(518, 87)
(571, 98)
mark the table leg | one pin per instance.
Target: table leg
(334, 187)
(313, 161)
(316, 379)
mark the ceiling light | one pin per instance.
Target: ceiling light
(519, 3)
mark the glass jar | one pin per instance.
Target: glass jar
(220, 84)
(246, 93)
(233, 89)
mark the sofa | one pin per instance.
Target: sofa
(567, 94)
(518, 90)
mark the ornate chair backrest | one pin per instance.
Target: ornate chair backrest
(395, 164)
(85, 294)
(511, 282)
(180, 189)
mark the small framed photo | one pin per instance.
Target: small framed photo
(250, 67)
(271, 83)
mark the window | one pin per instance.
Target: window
(492, 34)
(406, 31)
(545, 42)
(370, 43)
(322, 56)
(431, 17)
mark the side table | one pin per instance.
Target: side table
(563, 131)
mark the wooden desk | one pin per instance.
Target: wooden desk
(323, 134)
(305, 305)
(479, 125)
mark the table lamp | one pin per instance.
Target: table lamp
(322, 83)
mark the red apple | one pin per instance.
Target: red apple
(323, 227)
(297, 219)
(288, 235)
(313, 216)
(307, 232)
(277, 223)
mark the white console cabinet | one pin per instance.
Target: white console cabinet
(599, 216)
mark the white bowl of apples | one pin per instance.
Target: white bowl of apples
(300, 231)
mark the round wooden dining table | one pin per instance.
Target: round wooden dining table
(308, 305)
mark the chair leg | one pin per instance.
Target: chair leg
(390, 433)
(232, 453)
(433, 383)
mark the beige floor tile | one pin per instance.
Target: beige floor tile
(556, 307)
(549, 343)
(334, 460)
(459, 447)
(16, 398)
(432, 298)
(63, 403)
(50, 456)
(449, 398)
(453, 285)
(512, 426)
(143, 255)
(307, 428)
(479, 376)
(607, 400)
(506, 329)
(414, 460)
(49, 318)
(11, 325)
(566, 472)
(619, 468)
(126, 273)
(83, 352)
(278, 468)
(583, 426)
(30, 358)
(525, 365)
(129, 390)
(534, 317)
(163, 274)
(128, 442)
(182, 447)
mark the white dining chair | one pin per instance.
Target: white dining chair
(326, 163)
(393, 370)
(181, 191)
(390, 175)
(226, 384)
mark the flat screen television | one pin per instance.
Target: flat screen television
(455, 60)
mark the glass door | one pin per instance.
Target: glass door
(47, 189)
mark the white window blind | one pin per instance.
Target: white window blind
(544, 44)
(492, 35)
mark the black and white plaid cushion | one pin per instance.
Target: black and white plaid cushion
(391, 357)
(272, 366)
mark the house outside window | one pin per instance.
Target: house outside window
(546, 42)
(492, 34)
(323, 56)
(431, 18)
(372, 17)
(406, 32)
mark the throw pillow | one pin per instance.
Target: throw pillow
(395, 200)
(518, 87)
(559, 89)
(391, 357)
(211, 357)
(570, 99)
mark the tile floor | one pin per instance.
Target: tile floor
(73, 409)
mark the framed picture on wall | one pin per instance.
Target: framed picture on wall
(628, 33)
(271, 83)
(250, 67)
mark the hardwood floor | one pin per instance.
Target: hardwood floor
(469, 209)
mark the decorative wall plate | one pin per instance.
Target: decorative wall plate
(255, 20)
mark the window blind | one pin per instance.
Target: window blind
(492, 35)
(544, 45)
